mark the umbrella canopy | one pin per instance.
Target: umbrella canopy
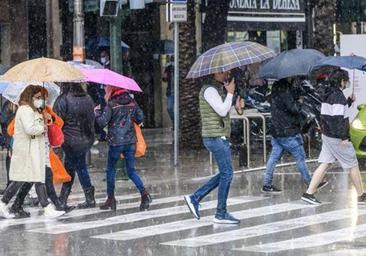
(43, 70)
(297, 62)
(350, 62)
(229, 56)
(88, 64)
(108, 77)
(102, 41)
(13, 91)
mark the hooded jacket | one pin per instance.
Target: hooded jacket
(119, 114)
(334, 123)
(285, 110)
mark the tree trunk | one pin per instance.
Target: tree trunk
(324, 18)
(214, 27)
(190, 123)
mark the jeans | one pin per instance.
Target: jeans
(295, 146)
(221, 151)
(170, 107)
(75, 162)
(113, 155)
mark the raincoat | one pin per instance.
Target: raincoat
(60, 174)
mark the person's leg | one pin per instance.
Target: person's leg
(114, 153)
(51, 192)
(17, 207)
(42, 194)
(295, 146)
(7, 166)
(84, 178)
(129, 153)
(276, 154)
(66, 186)
(356, 179)
(10, 191)
(170, 107)
(318, 176)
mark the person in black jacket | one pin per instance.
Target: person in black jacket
(335, 137)
(286, 135)
(76, 108)
(119, 115)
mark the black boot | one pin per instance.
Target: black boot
(110, 203)
(89, 199)
(18, 211)
(145, 200)
(64, 195)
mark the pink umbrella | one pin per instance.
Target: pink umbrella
(108, 77)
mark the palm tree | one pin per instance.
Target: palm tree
(324, 18)
(190, 124)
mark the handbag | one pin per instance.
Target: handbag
(59, 172)
(140, 142)
(55, 135)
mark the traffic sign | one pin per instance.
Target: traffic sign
(176, 11)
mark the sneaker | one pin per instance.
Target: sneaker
(322, 185)
(4, 211)
(193, 207)
(51, 212)
(271, 189)
(226, 219)
(310, 198)
(362, 199)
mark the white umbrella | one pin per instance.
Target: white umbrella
(13, 91)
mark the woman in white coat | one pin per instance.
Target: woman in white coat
(29, 151)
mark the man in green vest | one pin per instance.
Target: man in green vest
(215, 106)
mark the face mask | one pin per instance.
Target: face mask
(40, 103)
(103, 60)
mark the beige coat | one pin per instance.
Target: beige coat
(29, 150)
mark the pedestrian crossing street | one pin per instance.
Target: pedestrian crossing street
(169, 216)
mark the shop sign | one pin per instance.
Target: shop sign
(267, 5)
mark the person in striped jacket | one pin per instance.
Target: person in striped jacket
(335, 137)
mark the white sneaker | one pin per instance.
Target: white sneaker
(4, 211)
(51, 212)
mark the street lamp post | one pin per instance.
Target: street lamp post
(78, 51)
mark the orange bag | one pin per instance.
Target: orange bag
(59, 172)
(140, 142)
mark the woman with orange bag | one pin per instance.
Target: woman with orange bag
(55, 173)
(120, 114)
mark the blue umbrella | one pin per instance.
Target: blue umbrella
(297, 62)
(102, 41)
(350, 62)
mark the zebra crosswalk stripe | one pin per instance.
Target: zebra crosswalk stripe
(203, 222)
(133, 217)
(339, 235)
(266, 229)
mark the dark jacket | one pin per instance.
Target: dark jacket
(119, 114)
(285, 110)
(77, 111)
(334, 123)
(6, 116)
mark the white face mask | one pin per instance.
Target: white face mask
(103, 60)
(39, 103)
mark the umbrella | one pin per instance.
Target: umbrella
(108, 77)
(43, 70)
(229, 56)
(297, 62)
(13, 91)
(102, 41)
(350, 62)
(88, 64)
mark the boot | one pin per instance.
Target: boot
(18, 211)
(60, 206)
(64, 195)
(110, 203)
(145, 200)
(89, 199)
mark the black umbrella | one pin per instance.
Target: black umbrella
(297, 62)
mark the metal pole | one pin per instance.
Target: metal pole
(78, 43)
(176, 92)
(116, 49)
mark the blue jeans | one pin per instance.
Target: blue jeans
(295, 146)
(170, 107)
(75, 162)
(221, 151)
(113, 155)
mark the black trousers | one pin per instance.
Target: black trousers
(26, 187)
(23, 188)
